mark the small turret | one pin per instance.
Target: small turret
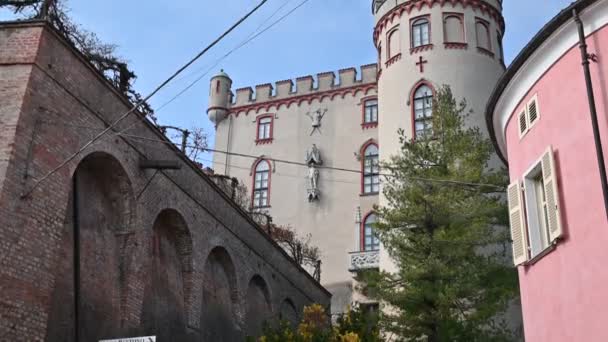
(219, 97)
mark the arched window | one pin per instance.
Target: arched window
(421, 32)
(423, 111)
(394, 46)
(369, 240)
(483, 34)
(454, 28)
(371, 170)
(261, 184)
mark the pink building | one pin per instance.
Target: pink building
(540, 121)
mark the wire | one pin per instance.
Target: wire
(290, 162)
(247, 41)
(144, 100)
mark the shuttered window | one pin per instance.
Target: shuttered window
(454, 28)
(538, 227)
(517, 224)
(529, 116)
(483, 35)
(394, 46)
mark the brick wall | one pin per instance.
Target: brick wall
(145, 236)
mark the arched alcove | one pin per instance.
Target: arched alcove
(288, 312)
(218, 313)
(258, 309)
(100, 210)
(166, 290)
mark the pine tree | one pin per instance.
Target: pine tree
(446, 234)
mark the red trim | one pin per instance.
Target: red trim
(268, 140)
(413, 20)
(412, 108)
(255, 166)
(394, 59)
(389, 36)
(460, 16)
(456, 46)
(362, 157)
(486, 24)
(409, 6)
(362, 230)
(366, 125)
(288, 101)
(421, 48)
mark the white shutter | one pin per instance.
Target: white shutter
(517, 224)
(533, 112)
(523, 123)
(551, 195)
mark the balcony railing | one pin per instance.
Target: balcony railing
(363, 260)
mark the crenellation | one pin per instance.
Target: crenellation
(306, 85)
(326, 80)
(284, 88)
(243, 96)
(369, 73)
(347, 77)
(263, 92)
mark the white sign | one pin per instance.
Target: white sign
(133, 339)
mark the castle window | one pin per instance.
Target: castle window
(421, 32)
(370, 114)
(394, 46)
(482, 28)
(423, 111)
(369, 240)
(453, 25)
(264, 129)
(371, 169)
(501, 53)
(261, 184)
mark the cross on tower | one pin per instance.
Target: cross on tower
(421, 63)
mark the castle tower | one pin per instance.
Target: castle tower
(220, 98)
(424, 44)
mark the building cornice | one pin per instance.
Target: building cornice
(307, 98)
(549, 45)
(409, 6)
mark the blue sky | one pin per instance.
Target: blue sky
(322, 35)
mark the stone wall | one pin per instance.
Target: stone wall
(162, 253)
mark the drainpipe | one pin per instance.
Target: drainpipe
(76, 258)
(596, 131)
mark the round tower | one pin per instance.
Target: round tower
(219, 97)
(424, 44)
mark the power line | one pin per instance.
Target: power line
(245, 42)
(290, 162)
(144, 100)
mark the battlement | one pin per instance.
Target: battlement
(306, 85)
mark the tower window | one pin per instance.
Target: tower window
(394, 46)
(369, 241)
(264, 128)
(261, 184)
(423, 111)
(482, 28)
(371, 169)
(453, 25)
(421, 32)
(501, 53)
(370, 114)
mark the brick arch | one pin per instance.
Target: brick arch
(220, 298)
(258, 305)
(167, 289)
(100, 215)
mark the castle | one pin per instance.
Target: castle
(337, 128)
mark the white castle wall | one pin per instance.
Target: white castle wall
(331, 220)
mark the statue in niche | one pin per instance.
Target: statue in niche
(313, 160)
(316, 118)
